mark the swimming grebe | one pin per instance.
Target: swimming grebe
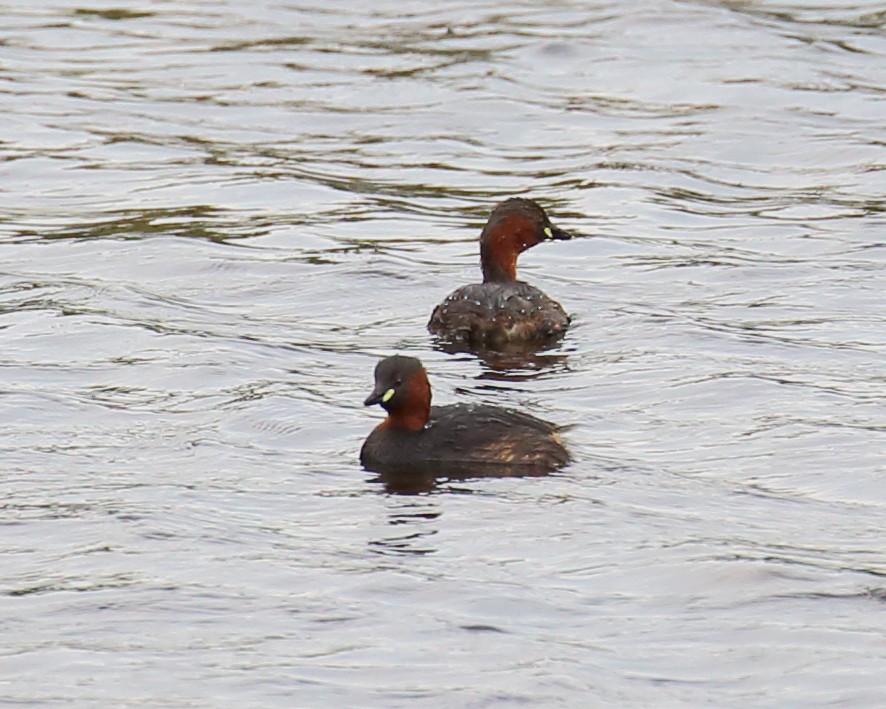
(454, 441)
(503, 311)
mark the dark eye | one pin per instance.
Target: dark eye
(398, 382)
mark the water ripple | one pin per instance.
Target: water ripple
(215, 218)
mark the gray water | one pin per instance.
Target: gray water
(216, 216)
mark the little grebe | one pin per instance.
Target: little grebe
(460, 440)
(502, 311)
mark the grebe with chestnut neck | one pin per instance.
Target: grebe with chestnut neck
(460, 440)
(501, 311)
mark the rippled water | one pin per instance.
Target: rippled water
(214, 217)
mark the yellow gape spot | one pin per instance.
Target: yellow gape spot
(549, 233)
(386, 397)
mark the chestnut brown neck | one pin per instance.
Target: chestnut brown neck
(410, 410)
(500, 244)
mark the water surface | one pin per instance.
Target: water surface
(215, 217)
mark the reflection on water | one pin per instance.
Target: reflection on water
(407, 482)
(411, 526)
(513, 362)
(214, 219)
